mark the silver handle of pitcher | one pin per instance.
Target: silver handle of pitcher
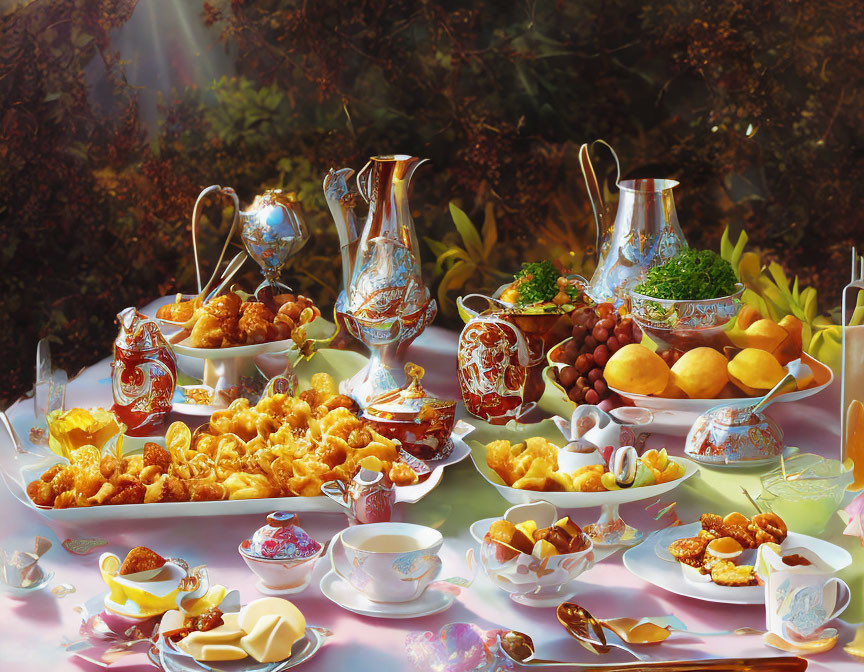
(196, 215)
(595, 193)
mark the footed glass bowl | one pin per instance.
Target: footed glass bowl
(685, 324)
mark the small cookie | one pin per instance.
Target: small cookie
(769, 523)
(713, 523)
(740, 534)
(689, 550)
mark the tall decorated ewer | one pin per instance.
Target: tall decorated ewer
(143, 374)
(385, 304)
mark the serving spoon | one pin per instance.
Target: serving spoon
(519, 647)
(588, 631)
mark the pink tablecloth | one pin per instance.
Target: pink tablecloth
(32, 629)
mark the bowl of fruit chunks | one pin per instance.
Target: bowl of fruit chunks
(576, 364)
(535, 555)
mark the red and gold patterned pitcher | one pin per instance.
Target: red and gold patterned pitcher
(143, 374)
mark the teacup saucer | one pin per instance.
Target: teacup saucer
(342, 593)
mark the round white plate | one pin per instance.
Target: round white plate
(652, 563)
(342, 593)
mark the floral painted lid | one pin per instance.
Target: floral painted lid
(281, 538)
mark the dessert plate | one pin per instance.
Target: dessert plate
(170, 659)
(651, 562)
(346, 596)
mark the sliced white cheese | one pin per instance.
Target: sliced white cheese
(271, 639)
(213, 652)
(267, 606)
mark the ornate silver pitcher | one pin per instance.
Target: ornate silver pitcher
(645, 232)
(385, 304)
(273, 230)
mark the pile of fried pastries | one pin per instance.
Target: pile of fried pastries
(283, 446)
(229, 321)
(533, 465)
(722, 539)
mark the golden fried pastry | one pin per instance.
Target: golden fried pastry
(179, 311)
(713, 524)
(741, 534)
(207, 332)
(277, 447)
(140, 559)
(156, 455)
(228, 321)
(768, 527)
(690, 550)
(726, 573)
(254, 321)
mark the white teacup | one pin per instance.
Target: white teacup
(388, 562)
(800, 600)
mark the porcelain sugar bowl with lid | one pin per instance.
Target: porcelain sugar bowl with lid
(281, 554)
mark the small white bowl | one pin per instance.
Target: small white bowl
(529, 580)
(281, 577)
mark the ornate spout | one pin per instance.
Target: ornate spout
(340, 200)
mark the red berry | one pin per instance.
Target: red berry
(604, 309)
(594, 375)
(601, 355)
(591, 342)
(579, 332)
(601, 387)
(600, 333)
(613, 343)
(623, 339)
(576, 394)
(584, 363)
(607, 323)
(568, 376)
(591, 397)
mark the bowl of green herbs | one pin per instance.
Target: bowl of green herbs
(688, 301)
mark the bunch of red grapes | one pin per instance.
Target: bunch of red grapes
(597, 332)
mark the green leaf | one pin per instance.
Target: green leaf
(739, 249)
(808, 301)
(779, 275)
(726, 246)
(438, 248)
(454, 279)
(453, 253)
(468, 232)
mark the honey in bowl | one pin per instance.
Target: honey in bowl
(390, 543)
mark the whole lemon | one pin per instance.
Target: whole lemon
(635, 369)
(755, 371)
(700, 373)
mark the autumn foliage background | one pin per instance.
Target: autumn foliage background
(757, 108)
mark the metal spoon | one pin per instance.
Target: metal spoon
(518, 647)
(229, 272)
(581, 625)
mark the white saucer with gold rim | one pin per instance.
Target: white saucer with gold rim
(343, 594)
